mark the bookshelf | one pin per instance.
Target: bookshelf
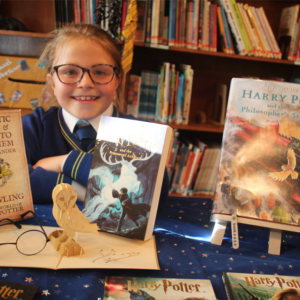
(210, 68)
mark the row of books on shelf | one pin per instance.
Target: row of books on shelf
(192, 166)
(195, 24)
(163, 96)
(103, 12)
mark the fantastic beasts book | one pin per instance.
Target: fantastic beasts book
(157, 288)
(259, 167)
(126, 176)
(261, 286)
(15, 192)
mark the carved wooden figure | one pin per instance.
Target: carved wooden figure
(70, 219)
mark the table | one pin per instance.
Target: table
(182, 230)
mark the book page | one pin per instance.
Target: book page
(102, 250)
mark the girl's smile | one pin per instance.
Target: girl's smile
(84, 99)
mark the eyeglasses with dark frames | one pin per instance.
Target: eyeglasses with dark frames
(23, 243)
(70, 74)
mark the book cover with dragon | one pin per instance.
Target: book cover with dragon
(259, 167)
(261, 286)
(126, 176)
(139, 288)
(15, 192)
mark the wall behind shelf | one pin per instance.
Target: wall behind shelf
(37, 15)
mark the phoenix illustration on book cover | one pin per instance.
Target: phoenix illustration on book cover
(260, 160)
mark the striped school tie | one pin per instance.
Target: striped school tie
(129, 35)
(85, 133)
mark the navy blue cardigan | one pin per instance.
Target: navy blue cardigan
(46, 134)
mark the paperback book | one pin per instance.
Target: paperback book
(261, 286)
(15, 192)
(258, 178)
(126, 176)
(157, 288)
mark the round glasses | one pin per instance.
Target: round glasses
(70, 74)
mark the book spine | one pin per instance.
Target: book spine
(267, 39)
(241, 27)
(179, 100)
(261, 33)
(161, 21)
(215, 28)
(227, 31)
(222, 31)
(187, 96)
(206, 27)
(172, 94)
(211, 26)
(234, 27)
(149, 16)
(255, 30)
(195, 24)
(277, 50)
(124, 10)
(155, 22)
(189, 27)
(295, 44)
(201, 22)
(293, 30)
(158, 103)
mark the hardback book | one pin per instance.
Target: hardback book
(12, 290)
(15, 191)
(260, 286)
(259, 167)
(157, 288)
(134, 91)
(126, 176)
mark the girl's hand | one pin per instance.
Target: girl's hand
(51, 163)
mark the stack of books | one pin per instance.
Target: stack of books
(163, 96)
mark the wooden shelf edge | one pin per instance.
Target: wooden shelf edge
(26, 33)
(205, 196)
(222, 54)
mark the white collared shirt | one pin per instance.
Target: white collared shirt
(71, 121)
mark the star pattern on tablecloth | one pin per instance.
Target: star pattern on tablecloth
(231, 258)
(263, 256)
(180, 218)
(206, 225)
(265, 264)
(204, 255)
(175, 244)
(28, 279)
(204, 267)
(190, 263)
(181, 211)
(171, 258)
(192, 272)
(254, 272)
(4, 275)
(45, 293)
(193, 248)
(57, 285)
(57, 292)
(86, 286)
(280, 267)
(290, 266)
(230, 269)
(214, 276)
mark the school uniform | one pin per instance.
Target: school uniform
(46, 134)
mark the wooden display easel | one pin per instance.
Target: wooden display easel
(275, 230)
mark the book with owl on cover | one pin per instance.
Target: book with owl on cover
(258, 177)
(126, 176)
(15, 192)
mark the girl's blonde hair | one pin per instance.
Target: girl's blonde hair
(93, 32)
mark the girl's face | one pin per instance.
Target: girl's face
(84, 53)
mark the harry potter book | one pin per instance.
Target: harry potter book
(157, 288)
(15, 192)
(259, 168)
(261, 286)
(126, 176)
(11, 290)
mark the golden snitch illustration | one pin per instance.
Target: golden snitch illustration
(70, 219)
(287, 169)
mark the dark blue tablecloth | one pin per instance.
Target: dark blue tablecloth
(182, 231)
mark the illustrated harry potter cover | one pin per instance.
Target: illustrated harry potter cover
(126, 176)
(157, 288)
(260, 159)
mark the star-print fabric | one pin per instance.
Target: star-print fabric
(182, 232)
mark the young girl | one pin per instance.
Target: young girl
(85, 74)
